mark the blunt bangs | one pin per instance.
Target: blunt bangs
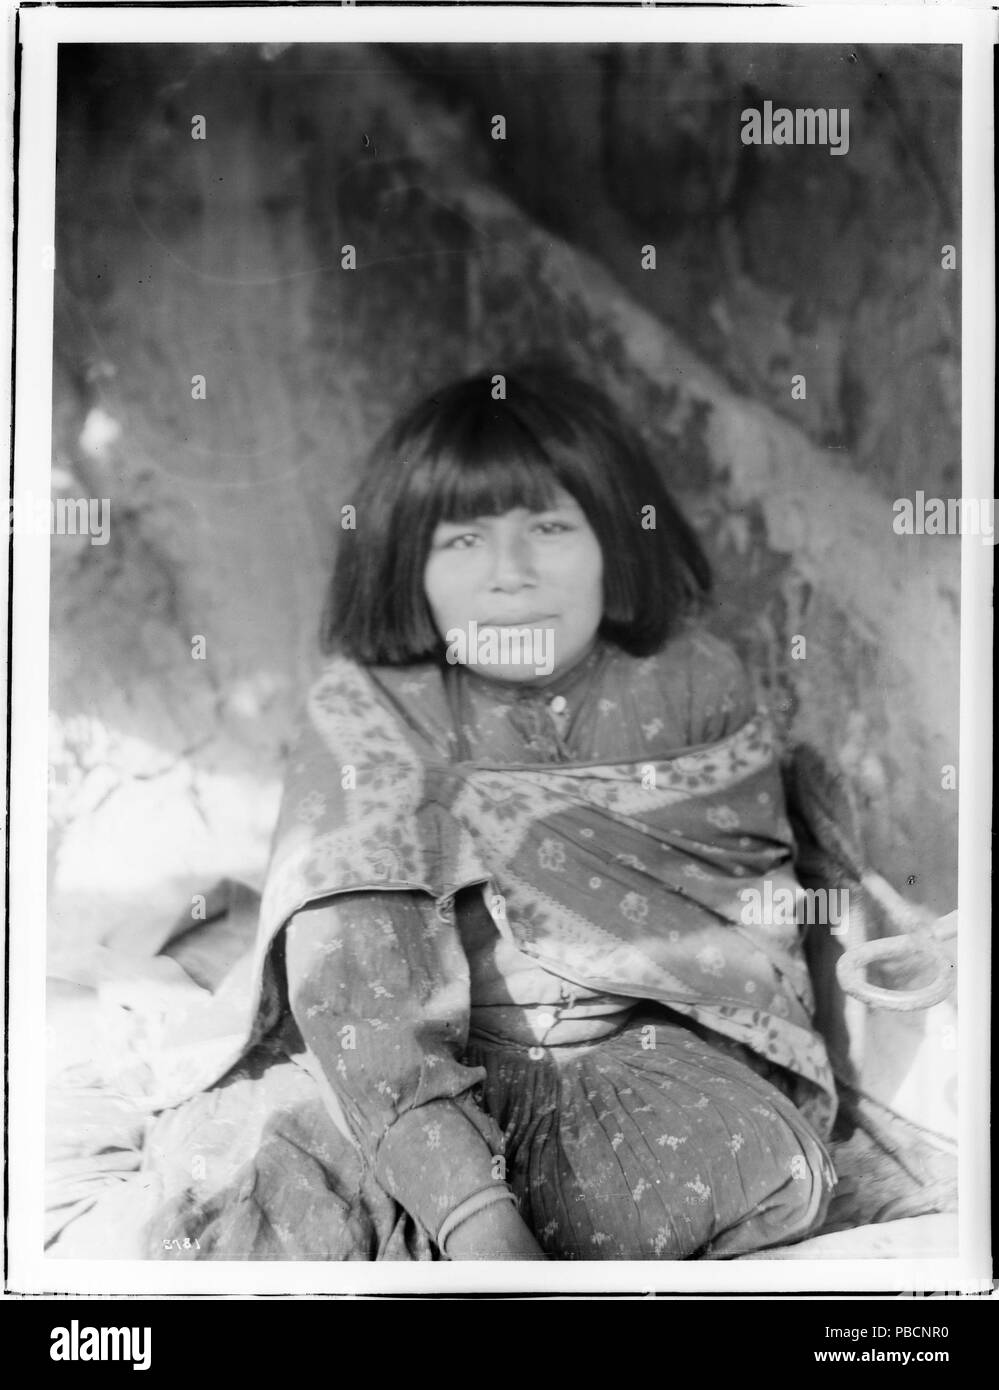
(460, 454)
(487, 466)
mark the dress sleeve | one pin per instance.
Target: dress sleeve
(378, 984)
(720, 692)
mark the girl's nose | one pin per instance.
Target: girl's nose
(513, 563)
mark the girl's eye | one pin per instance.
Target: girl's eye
(463, 542)
(467, 540)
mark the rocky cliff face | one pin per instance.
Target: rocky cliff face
(772, 260)
(221, 258)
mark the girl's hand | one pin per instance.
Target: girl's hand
(497, 1232)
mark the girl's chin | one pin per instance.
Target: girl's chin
(537, 667)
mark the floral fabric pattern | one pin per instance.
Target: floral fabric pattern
(622, 863)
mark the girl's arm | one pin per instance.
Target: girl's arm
(378, 985)
(498, 1232)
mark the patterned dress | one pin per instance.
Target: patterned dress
(425, 1065)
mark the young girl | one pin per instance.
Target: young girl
(510, 1001)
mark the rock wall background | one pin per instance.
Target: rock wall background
(222, 257)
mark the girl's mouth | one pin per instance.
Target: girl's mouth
(532, 620)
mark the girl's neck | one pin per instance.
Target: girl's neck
(560, 682)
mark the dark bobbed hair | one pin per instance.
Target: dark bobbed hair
(460, 454)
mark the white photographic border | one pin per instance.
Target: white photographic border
(40, 32)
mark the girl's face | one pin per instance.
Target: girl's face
(541, 571)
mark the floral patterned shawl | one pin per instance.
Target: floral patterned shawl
(619, 876)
